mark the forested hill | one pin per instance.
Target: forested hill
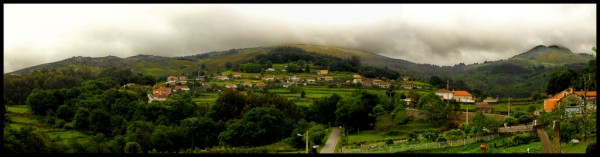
(527, 71)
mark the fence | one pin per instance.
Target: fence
(430, 145)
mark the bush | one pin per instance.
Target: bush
(59, 124)
(510, 121)
(519, 139)
(412, 136)
(389, 141)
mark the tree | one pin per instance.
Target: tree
(433, 108)
(258, 126)
(399, 114)
(414, 96)
(302, 94)
(307, 69)
(317, 133)
(133, 148)
(65, 112)
(42, 100)
(100, 121)
(437, 82)
(229, 105)
(82, 119)
(26, 140)
(351, 113)
(322, 110)
(510, 121)
(384, 123)
(228, 65)
(560, 80)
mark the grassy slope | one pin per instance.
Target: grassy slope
(20, 117)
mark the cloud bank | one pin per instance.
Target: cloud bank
(422, 33)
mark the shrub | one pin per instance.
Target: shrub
(389, 141)
(510, 121)
(519, 139)
(412, 136)
(59, 124)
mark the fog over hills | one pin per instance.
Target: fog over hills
(453, 34)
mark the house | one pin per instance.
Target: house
(357, 79)
(129, 85)
(323, 72)
(366, 83)
(171, 78)
(246, 84)
(200, 78)
(267, 78)
(270, 70)
(237, 75)
(463, 96)
(444, 93)
(261, 84)
(182, 80)
(222, 78)
(490, 100)
(557, 100)
(376, 82)
(484, 107)
(310, 80)
(286, 85)
(160, 93)
(384, 85)
(231, 86)
(294, 78)
(405, 78)
(328, 78)
(181, 89)
(407, 85)
(278, 77)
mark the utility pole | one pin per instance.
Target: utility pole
(508, 106)
(306, 141)
(467, 112)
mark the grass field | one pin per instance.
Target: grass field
(21, 109)
(19, 118)
(370, 136)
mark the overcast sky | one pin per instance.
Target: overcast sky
(440, 34)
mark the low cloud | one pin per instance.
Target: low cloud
(448, 37)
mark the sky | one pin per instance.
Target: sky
(439, 34)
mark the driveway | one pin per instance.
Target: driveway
(332, 141)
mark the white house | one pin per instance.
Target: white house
(445, 94)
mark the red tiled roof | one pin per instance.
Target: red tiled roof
(172, 76)
(462, 93)
(551, 103)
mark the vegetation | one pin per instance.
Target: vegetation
(84, 107)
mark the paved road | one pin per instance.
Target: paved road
(332, 141)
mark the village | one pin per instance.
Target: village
(272, 80)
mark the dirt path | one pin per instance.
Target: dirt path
(332, 141)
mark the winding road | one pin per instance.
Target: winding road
(331, 141)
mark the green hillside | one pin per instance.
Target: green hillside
(527, 72)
